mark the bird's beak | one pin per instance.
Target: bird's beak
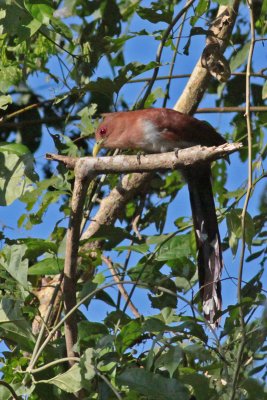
(97, 147)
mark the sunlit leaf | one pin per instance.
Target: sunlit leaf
(17, 172)
(48, 266)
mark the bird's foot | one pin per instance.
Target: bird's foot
(138, 155)
(176, 151)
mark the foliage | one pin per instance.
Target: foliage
(90, 54)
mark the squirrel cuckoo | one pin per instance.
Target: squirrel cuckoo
(162, 130)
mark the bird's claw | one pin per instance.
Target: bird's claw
(138, 155)
(176, 151)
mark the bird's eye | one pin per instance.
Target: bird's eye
(103, 131)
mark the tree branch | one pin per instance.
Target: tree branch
(145, 163)
(121, 288)
(70, 267)
(200, 77)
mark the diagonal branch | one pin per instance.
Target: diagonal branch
(200, 77)
(121, 288)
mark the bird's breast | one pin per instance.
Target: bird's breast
(153, 139)
(160, 140)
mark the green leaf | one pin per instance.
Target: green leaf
(87, 367)
(41, 10)
(255, 255)
(191, 326)
(155, 15)
(15, 21)
(153, 325)
(9, 75)
(11, 258)
(239, 57)
(86, 125)
(70, 381)
(200, 385)
(128, 335)
(4, 101)
(61, 28)
(48, 266)
(138, 248)
(16, 172)
(105, 297)
(19, 332)
(10, 310)
(162, 299)
(153, 97)
(112, 234)
(89, 333)
(201, 8)
(37, 247)
(14, 148)
(199, 352)
(183, 268)
(224, 2)
(254, 389)
(158, 239)
(153, 385)
(234, 226)
(170, 360)
(176, 247)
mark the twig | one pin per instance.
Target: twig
(44, 323)
(53, 363)
(121, 288)
(175, 52)
(108, 285)
(109, 385)
(244, 211)
(230, 109)
(182, 76)
(135, 227)
(69, 162)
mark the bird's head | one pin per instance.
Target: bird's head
(120, 130)
(103, 131)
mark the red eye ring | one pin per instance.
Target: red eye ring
(103, 131)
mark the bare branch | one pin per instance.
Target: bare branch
(70, 267)
(121, 288)
(149, 162)
(207, 110)
(200, 77)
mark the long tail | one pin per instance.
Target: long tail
(208, 239)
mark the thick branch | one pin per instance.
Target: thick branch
(200, 77)
(70, 267)
(146, 163)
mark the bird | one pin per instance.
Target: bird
(157, 130)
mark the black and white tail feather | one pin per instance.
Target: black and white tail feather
(209, 256)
